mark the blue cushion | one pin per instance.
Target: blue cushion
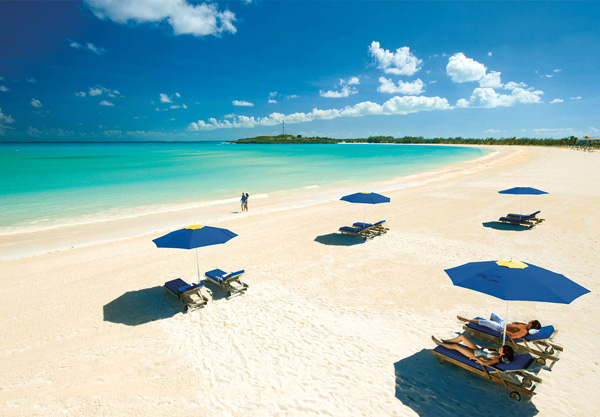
(508, 219)
(544, 333)
(350, 229)
(184, 288)
(361, 224)
(236, 273)
(179, 286)
(219, 275)
(524, 216)
(216, 274)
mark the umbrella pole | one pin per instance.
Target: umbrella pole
(198, 265)
(505, 323)
(521, 207)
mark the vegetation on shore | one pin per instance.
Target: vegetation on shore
(570, 141)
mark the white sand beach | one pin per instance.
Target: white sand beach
(330, 326)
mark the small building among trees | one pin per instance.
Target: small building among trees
(587, 141)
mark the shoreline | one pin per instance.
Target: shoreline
(17, 245)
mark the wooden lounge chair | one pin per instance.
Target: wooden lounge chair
(188, 294)
(529, 220)
(538, 344)
(230, 282)
(365, 230)
(376, 227)
(512, 375)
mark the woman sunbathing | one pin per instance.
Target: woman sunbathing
(488, 356)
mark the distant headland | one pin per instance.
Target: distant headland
(299, 139)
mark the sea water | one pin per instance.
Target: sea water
(49, 185)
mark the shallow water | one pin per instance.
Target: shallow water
(44, 185)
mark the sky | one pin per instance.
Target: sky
(113, 70)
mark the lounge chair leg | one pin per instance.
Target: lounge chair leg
(515, 396)
(441, 361)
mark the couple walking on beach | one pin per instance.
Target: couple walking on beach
(244, 201)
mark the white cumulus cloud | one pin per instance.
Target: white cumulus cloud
(36, 103)
(271, 101)
(401, 62)
(556, 100)
(511, 85)
(242, 103)
(98, 50)
(394, 106)
(106, 103)
(463, 69)
(346, 90)
(352, 81)
(408, 88)
(184, 17)
(95, 49)
(489, 98)
(80, 94)
(99, 90)
(95, 91)
(491, 79)
(3, 88)
(164, 98)
(5, 120)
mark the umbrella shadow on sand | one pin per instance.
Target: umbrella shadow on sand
(431, 389)
(142, 306)
(338, 239)
(505, 226)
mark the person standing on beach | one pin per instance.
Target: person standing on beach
(246, 202)
(243, 202)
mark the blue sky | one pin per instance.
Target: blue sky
(188, 70)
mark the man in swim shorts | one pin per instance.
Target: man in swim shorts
(514, 330)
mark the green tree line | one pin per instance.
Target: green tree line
(570, 141)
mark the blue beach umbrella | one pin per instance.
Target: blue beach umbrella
(522, 191)
(365, 197)
(194, 237)
(516, 281)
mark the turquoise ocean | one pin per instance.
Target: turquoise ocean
(49, 185)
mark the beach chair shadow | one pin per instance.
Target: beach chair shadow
(217, 292)
(431, 389)
(336, 239)
(505, 226)
(142, 306)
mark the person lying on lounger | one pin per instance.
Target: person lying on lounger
(488, 356)
(514, 330)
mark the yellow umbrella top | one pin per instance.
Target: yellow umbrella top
(512, 264)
